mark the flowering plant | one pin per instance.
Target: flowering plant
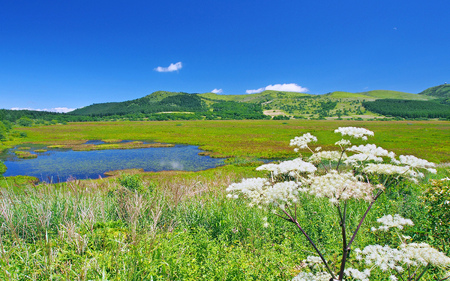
(364, 175)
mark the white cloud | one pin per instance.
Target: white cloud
(217, 91)
(172, 67)
(255, 91)
(56, 109)
(291, 87)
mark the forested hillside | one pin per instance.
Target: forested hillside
(408, 108)
(163, 105)
(158, 102)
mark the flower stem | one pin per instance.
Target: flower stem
(345, 249)
(311, 242)
(363, 218)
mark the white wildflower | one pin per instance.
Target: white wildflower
(386, 169)
(253, 188)
(296, 165)
(358, 275)
(343, 186)
(368, 152)
(354, 132)
(326, 155)
(425, 254)
(313, 261)
(307, 276)
(283, 191)
(415, 162)
(302, 142)
(343, 142)
(390, 221)
(414, 254)
(261, 192)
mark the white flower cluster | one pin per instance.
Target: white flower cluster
(359, 133)
(313, 261)
(414, 162)
(386, 169)
(358, 275)
(390, 221)
(368, 152)
(326, 155)
(251, 188)
(283, 191)
(262, 192)
(343, 142)
(307, 276)
(341, 186)
(302, 142)
(286, 167)
(409, 255)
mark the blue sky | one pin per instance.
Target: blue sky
(56, 54)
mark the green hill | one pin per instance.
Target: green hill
(441, 91)
(272, 103)
(344, 95)
(386, 94)
(156, 102)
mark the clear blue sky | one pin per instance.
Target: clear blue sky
(75, 53)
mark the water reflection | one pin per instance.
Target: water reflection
(60, 165)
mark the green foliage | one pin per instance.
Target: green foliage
(436, 203)
(3, 167)
(281, 117)
(237, 111)
(408, 108)
(3, 132)
(81, 230)
(177, 102)
(131, 182)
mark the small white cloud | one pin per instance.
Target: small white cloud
(291, 87)
(56, 109)
(255, 91)
(217, 91)
(62, 109)
(172, 67)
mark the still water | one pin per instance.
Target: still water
(59, 165)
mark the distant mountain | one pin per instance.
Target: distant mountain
(211, 105)
(162, 105)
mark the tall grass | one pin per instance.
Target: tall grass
(165, 226)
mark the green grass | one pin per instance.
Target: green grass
(168, 226)
(346, 95)
(179, 225)
(264, 139)
(386, 94)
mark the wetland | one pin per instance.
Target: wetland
(61, 163)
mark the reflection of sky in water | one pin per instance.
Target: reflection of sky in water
(61, 165)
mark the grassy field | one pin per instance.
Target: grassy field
(181, 226)
(263, 139)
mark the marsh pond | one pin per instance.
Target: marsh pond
(56, 164)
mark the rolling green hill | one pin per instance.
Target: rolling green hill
(441, 91)
(213, 106)
(163, 105)
(154, 103)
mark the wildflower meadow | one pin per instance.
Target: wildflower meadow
(348, 211)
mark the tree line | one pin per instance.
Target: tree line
(408, 108)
